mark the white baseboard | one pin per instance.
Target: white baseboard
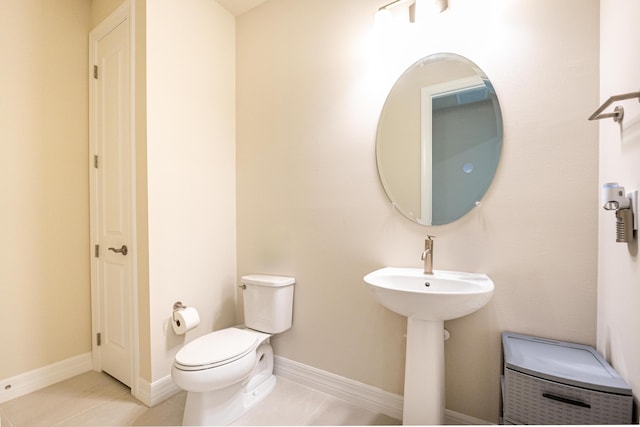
(153, 393)
(143, 392)
(31, 381)
(456, 418)
(355, 392)
(148, 393)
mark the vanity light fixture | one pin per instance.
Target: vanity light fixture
(393, 4)
(441, 6)
(625, 204)
(386, 9)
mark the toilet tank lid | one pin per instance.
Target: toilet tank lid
(267, 280)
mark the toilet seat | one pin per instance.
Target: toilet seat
(216, 349)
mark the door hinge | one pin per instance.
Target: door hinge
(99, 339)
(95, 71)
(95, 161)
(96, 251)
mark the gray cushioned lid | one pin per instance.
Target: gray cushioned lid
(568, 363)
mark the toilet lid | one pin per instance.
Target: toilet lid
(217, 348)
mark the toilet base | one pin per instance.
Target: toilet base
(222, 407)
(259, 393)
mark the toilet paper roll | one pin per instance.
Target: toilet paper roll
(184, 320)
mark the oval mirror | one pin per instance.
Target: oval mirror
(439, 139)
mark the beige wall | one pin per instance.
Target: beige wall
(309, 201)
(44, 129)
(142, 208)
(190, 169)
(44, 184)
(618, 272)
(100, 9)
(311, 82)
(185, 127)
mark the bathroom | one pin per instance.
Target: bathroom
(255, 152)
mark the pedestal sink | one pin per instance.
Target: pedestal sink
(427, 301)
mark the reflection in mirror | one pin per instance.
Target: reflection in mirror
(439, 139)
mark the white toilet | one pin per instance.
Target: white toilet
(228, 371)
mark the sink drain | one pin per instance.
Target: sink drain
(427, 284)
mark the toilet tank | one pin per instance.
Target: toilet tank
(268, 302)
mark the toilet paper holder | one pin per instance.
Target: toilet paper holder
(177, 306)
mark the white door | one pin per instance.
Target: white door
(112, 203)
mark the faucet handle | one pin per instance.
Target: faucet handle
(428, 242)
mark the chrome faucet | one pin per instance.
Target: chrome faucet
(427, 255)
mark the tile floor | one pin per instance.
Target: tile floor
(95, 399)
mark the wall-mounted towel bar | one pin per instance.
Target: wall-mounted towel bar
(618, 112)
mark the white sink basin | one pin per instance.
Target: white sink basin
(427, 300)
(444, 295)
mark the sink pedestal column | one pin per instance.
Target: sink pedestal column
(424, 373)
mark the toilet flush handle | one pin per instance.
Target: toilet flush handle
(243, 286)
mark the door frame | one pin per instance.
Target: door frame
(124, 13)
(427, 94)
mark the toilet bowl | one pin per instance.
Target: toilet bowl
(228, 371)
(225, 373)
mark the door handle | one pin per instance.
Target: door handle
(123, 250)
